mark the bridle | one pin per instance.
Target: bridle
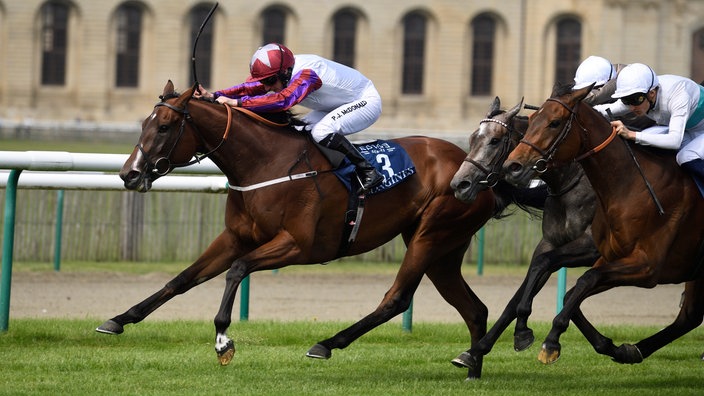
(493, 170)
(163, 164)
(543, 163)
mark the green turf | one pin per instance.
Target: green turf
(66, 357)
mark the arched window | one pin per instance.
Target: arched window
(483, 36)
(568, 49)
(273, 26)
(698, 56)
(414, 33)
(129, 34)
(54, 43)
(344, 37)
(204, 51)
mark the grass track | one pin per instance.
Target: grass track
(62, 357)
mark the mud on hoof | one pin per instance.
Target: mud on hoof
(628, 354)
(522, 340)
(319, 351)
(226, 354)
(548, 354)
(110, 327)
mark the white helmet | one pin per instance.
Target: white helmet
(635, 78)
(593, 70)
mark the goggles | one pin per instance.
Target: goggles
(633, 100)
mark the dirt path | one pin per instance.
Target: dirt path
(305, 296)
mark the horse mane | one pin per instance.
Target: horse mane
(529, 199)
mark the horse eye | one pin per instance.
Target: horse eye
(554, 124)
(163, 128)
(494, 141)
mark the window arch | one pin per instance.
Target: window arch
(568, 49)
(273, 25)
(698, 56)
(204, 51)
(344, 37)
(54, 19)
(483, 38)
(414, 35)
(127, 46)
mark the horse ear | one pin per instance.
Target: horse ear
(494, 108)
(516, 109)
(168, 88)
(579, 94)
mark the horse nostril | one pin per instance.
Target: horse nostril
(130, 176)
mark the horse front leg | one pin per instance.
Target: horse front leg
(214, 261)
(277, 253)
(580, 252)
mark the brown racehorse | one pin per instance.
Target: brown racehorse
(566, 222)
(640, 246)
(301, 221)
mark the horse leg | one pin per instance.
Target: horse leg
(585, 286)
(580, 252)
(396, 300)
(279, 252)
(690, 317)
(214, 261)
(448, 280)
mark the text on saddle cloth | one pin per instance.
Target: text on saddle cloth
(389, 158)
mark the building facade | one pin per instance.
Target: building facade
(437, 63)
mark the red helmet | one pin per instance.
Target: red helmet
(270, 60)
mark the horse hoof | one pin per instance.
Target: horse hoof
(226, 354)
(628, 354)
(319, 351)
(464, 360)
(110, 327)
(548, 355)
(523, 340)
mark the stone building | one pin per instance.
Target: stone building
(437, 63)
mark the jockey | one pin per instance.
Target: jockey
(602, 73)
(341, 99)
(677, 106)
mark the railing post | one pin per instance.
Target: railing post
(8, 243)
(480, 252)
(561, 286)
(408, 318)
(244, 299)
(59, 223)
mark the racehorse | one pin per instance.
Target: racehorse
(647, 225)
(300, 221)
(566, 219)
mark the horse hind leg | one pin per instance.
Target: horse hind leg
(446, 276)
(396, 300)
(690, 317)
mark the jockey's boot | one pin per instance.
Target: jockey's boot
(696, 169)
(368, 175)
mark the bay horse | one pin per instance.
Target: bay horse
(647, 225)
(300, 221)
(566, 219)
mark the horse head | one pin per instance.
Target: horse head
(489, 145)
(166, 141)
(548, 141)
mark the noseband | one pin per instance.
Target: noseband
(493, 172)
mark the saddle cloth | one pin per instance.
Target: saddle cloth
(389, 158)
